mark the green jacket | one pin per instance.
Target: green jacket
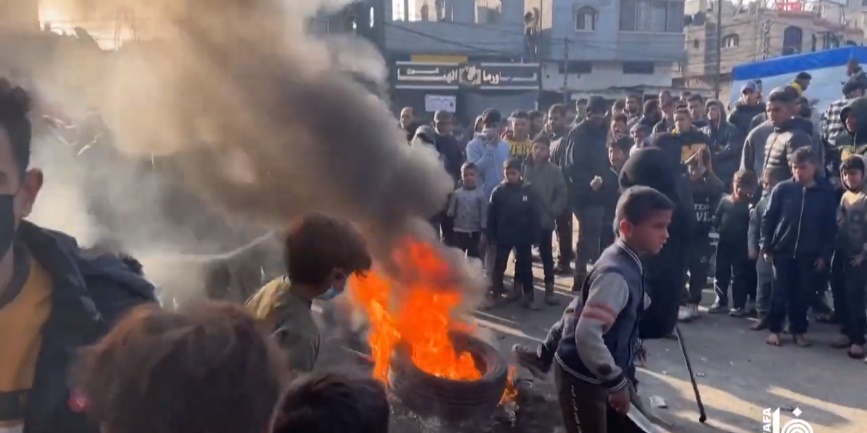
(548, 182)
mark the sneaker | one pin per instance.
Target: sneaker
(738, 312)
(515, 293)
(687, 312)
(530, 359)
(564, 270)
(717, 308)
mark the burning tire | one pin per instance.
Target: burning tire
(452, 401)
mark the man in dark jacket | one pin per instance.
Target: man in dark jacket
(789, 134)
(54, 298)
(747, 108)
(682, 142)
(586, 160)
(726, 142)
(666, 272)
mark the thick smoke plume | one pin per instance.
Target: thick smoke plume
(262, 120)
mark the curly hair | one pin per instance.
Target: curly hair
(14, 109)
(318, 244)
(208, 368)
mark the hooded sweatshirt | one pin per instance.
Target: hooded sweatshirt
(726, 148)
(585, 157)
(742, 116)
(853, 142)
(852, 219)
(679, 146)
(489, 158)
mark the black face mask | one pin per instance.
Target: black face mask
(7, 222)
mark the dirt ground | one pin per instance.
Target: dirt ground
(738, 375)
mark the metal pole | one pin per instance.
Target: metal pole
(565, 70)
(717, 81)
(539, 54)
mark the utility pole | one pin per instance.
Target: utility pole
(540, 50)
(565, 70)
(717, 81)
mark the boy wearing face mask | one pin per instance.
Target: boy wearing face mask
(321, 254)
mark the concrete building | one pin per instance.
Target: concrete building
(461, 55)
(759, 30)
(611, 48)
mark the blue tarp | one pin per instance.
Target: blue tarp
(798, 62)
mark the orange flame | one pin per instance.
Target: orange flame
(422, 318)
(511, 392)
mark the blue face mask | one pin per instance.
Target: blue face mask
(329, 294)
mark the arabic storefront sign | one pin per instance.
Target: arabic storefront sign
(451, 76)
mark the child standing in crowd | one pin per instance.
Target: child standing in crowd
(547, 181)
(599, 328)
(852, 250)
(609, 192)
(733, 265)
(764, 270)
(518, 136)
(798, 235)
(513, 224)
(468, 207)
(619, 126)
(706, 189)
(321, 254)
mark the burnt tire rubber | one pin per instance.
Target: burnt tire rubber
(451, 401)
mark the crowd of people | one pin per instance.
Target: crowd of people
(665, 192)
(768, 199)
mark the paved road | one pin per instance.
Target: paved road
(739, 375)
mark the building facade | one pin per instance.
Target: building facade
(461, 55)
(611, 48)
(761, 30)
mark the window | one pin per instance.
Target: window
(696, 43)
(638, 68)
(488, 11)
(731, 41)
(651, 16)
(577, 67)
(586, 18)
(793, 40)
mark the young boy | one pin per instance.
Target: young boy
(797, 236)
(852, 250)
(599, 328)
(547, 181)
(706, 190)
(764, 270)
(609, 192)
(321, 254)
(468, 208)
(733, 265)
(513, 224)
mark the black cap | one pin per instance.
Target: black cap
(804, 76)
(853, 85)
